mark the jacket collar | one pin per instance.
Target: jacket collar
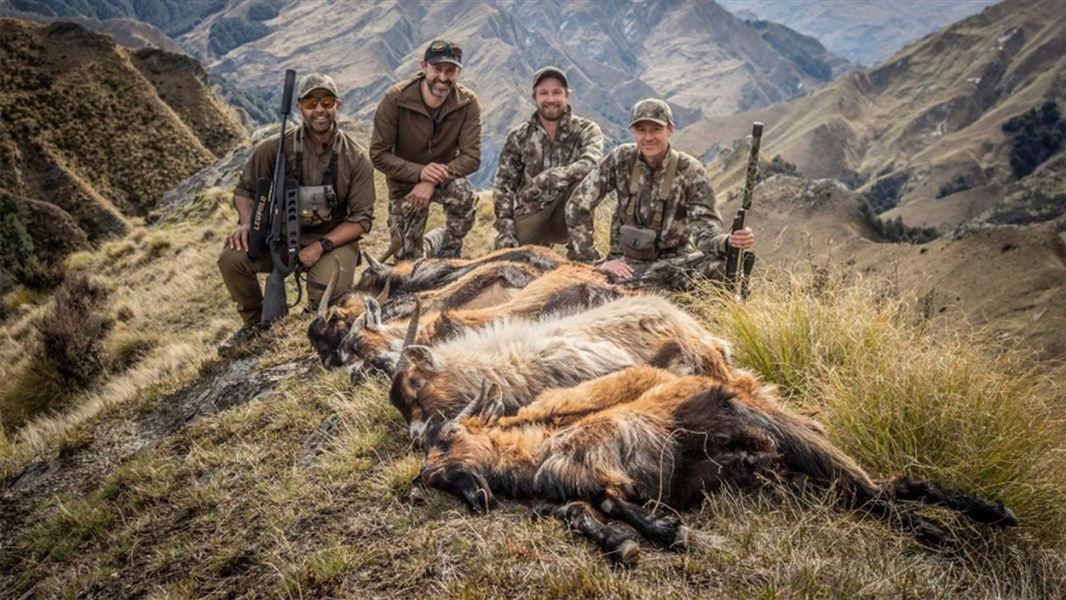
(411, 97)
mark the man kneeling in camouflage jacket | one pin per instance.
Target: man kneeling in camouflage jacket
(541, 163)
(665, 230)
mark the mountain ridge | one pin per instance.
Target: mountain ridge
(921, 128)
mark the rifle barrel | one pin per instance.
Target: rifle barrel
(752, 175)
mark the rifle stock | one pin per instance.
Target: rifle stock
(284, 239)
(738, 262)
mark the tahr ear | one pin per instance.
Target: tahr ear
(371, 313)
(421, 357)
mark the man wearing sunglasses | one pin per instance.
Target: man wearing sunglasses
(542, 161)
(336, 199)
(427, 140)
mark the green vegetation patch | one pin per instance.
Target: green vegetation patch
(1035, 136)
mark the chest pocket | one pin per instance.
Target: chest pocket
(641, 240)
(319, 205)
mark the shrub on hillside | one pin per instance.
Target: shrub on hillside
(894, 230)
(959, 184)
(73, 330)
(1035, 136)
(261, 11)
(69, 357)
(885, 193)
(226, 34)
(16, 246)
(777, 166)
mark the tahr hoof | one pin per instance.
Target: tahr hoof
(627, 552)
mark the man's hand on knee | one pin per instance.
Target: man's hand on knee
(238, 240)
(311, 255)
(420, 195)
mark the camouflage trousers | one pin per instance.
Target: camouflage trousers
(675, 273)
(407, 224)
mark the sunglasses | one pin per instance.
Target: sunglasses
(312, 102)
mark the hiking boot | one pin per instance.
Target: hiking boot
(239, 339)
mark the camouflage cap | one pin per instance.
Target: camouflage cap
(442, 51)
(316, 81)
(550, 71)
(651, 109)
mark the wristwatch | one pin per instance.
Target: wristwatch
(326, 243)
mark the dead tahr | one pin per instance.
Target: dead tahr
(614, 444)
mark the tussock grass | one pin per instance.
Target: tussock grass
(956, 408)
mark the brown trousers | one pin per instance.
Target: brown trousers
(240, 274)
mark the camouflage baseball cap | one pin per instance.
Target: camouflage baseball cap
(442, 51)
(651, 109)
(316, 81)
(550, 71)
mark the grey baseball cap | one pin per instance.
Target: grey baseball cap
(317, 81)
(651, 109)
(550, 71)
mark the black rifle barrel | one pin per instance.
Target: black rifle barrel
(283, 258)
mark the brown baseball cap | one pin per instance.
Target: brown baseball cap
(651, 109)
(317, 81)
(550, 71)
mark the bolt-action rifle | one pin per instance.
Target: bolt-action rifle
(739, 263)
(276, 221)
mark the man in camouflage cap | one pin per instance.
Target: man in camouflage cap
(336, 199)
(542, 161)
(665, 230)
(427, 140)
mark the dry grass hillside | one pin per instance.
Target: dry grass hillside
(176, 474)
(924, 130)
(97, 130)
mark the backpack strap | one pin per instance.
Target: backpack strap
(664, 191)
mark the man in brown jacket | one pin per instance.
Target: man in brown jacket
(336, 205)
(427, 140)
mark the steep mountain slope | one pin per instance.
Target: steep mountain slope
(126, 31)
(697, 55)
(173, 17)
(97, 130)
(863, 31)
(926, 127)
(704, 61)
